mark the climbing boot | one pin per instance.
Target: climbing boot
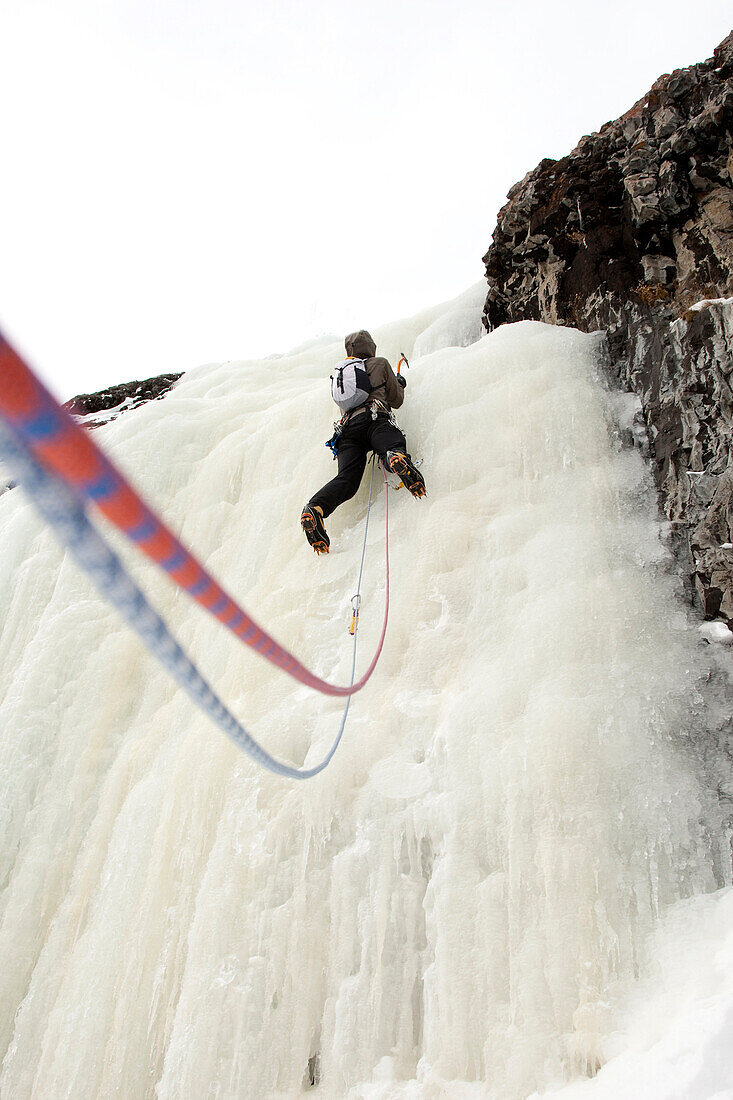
(311, 520)
(409, 475)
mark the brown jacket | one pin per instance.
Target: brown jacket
(385, 387)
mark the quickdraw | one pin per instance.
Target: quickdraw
(355, 605)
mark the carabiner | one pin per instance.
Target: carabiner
(355, 603)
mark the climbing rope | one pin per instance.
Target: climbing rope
(66, 451)
(66, 515)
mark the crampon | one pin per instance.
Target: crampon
(409, 475)
(312, 523)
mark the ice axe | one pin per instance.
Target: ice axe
(403, 359)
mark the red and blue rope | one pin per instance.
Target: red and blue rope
(67, 451)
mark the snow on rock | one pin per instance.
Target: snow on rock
(448, 910)
(706, 303)
(716, 632)
(95, 409)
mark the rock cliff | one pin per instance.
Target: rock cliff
(632, 233)
(105, 405)
(95, 409)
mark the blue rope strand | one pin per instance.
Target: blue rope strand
(63, 512)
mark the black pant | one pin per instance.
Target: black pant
(360, 436)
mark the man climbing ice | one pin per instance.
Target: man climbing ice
(366, 389)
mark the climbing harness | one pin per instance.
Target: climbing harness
(66, 515)
(373, 406)
(48, 433)
(376, 407)
(333, 442)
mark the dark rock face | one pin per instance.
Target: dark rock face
(95, 409)
(100, 408)
(626, 234)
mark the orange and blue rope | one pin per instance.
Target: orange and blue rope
(66, 516)
(66, 451)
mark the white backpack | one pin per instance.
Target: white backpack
(350, 385)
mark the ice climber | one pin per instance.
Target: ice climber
(366, 389)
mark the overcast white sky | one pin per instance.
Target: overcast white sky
(190, 181)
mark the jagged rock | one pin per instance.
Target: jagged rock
(658, 269)
(99, 408)
(95, 409)
(626, 234)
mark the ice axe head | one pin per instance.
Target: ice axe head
(402, 359)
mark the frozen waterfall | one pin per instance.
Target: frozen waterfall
(449, 909)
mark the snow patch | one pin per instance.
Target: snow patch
(705, 303)
(716, 632)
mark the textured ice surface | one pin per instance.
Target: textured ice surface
(675, 1037)
(452, 906)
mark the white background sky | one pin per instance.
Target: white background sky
(191, 181)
